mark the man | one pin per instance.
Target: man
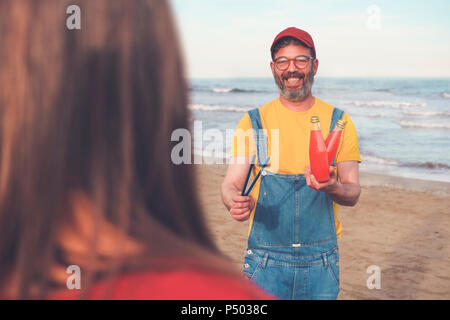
(292, 246)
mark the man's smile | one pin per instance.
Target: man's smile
(293, 82)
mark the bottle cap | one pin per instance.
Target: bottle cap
(341, 124)
(314, 119)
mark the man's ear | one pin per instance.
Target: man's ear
(272, 67)
(316, 65)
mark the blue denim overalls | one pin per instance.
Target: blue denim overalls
(292, 246)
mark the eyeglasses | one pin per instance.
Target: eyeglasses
(300, 62)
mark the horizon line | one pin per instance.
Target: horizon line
(333, 77)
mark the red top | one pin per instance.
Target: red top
(171, 285)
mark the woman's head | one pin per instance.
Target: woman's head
(89, 112)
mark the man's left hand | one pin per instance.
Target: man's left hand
(346, 191)
(327, 187)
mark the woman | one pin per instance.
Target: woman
(86, 177)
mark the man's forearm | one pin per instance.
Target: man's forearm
(345, 194)
(234, 181)
(228, 191)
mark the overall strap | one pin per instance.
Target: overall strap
(337, 115)
(259, 136)
(261, 149)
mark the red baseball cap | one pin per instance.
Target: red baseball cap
(298, 34)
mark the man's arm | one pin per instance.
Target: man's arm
(346, 191)
(238, 206)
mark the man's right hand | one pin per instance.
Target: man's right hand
(241, 207)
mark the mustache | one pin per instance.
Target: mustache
(294, 74)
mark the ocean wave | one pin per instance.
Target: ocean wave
(203, 107)
(382, 90)
(409, 124)
(234, 90)
(222, 90)
(375, 116)
(446, 95)
(429, 165)
(383, 161)
(426, 113)
(378, 160)
(386, 104)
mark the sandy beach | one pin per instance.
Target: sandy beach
(400, 225)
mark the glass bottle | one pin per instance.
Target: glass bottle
(333, 139)
(318, 156)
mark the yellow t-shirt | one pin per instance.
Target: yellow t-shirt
(292, 129)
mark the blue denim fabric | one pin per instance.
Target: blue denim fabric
(292, 247)
(288, 277)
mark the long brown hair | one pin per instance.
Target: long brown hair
(90, 110)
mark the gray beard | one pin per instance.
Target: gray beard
(296, 95)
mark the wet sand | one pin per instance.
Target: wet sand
(400, 225)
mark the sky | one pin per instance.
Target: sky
(353, 38)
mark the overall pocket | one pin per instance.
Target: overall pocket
(251, 266)
(333, 269)
(324, 278)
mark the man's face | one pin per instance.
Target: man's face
(294, 84)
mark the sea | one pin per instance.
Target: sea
(403, 125)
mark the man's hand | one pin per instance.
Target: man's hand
(238, 206)
(241, 207)
(327, 187)
(346, 191)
